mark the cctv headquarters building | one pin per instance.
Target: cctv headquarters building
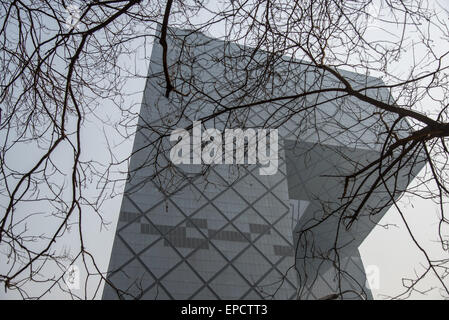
(226, 231)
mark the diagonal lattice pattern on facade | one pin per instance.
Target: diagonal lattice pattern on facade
(228, 232)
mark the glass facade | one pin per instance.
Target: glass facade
(225, 231)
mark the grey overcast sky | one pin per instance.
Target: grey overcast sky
(388, 248)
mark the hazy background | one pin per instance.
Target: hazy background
(388, 248)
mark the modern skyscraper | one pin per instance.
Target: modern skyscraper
(226, 231)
